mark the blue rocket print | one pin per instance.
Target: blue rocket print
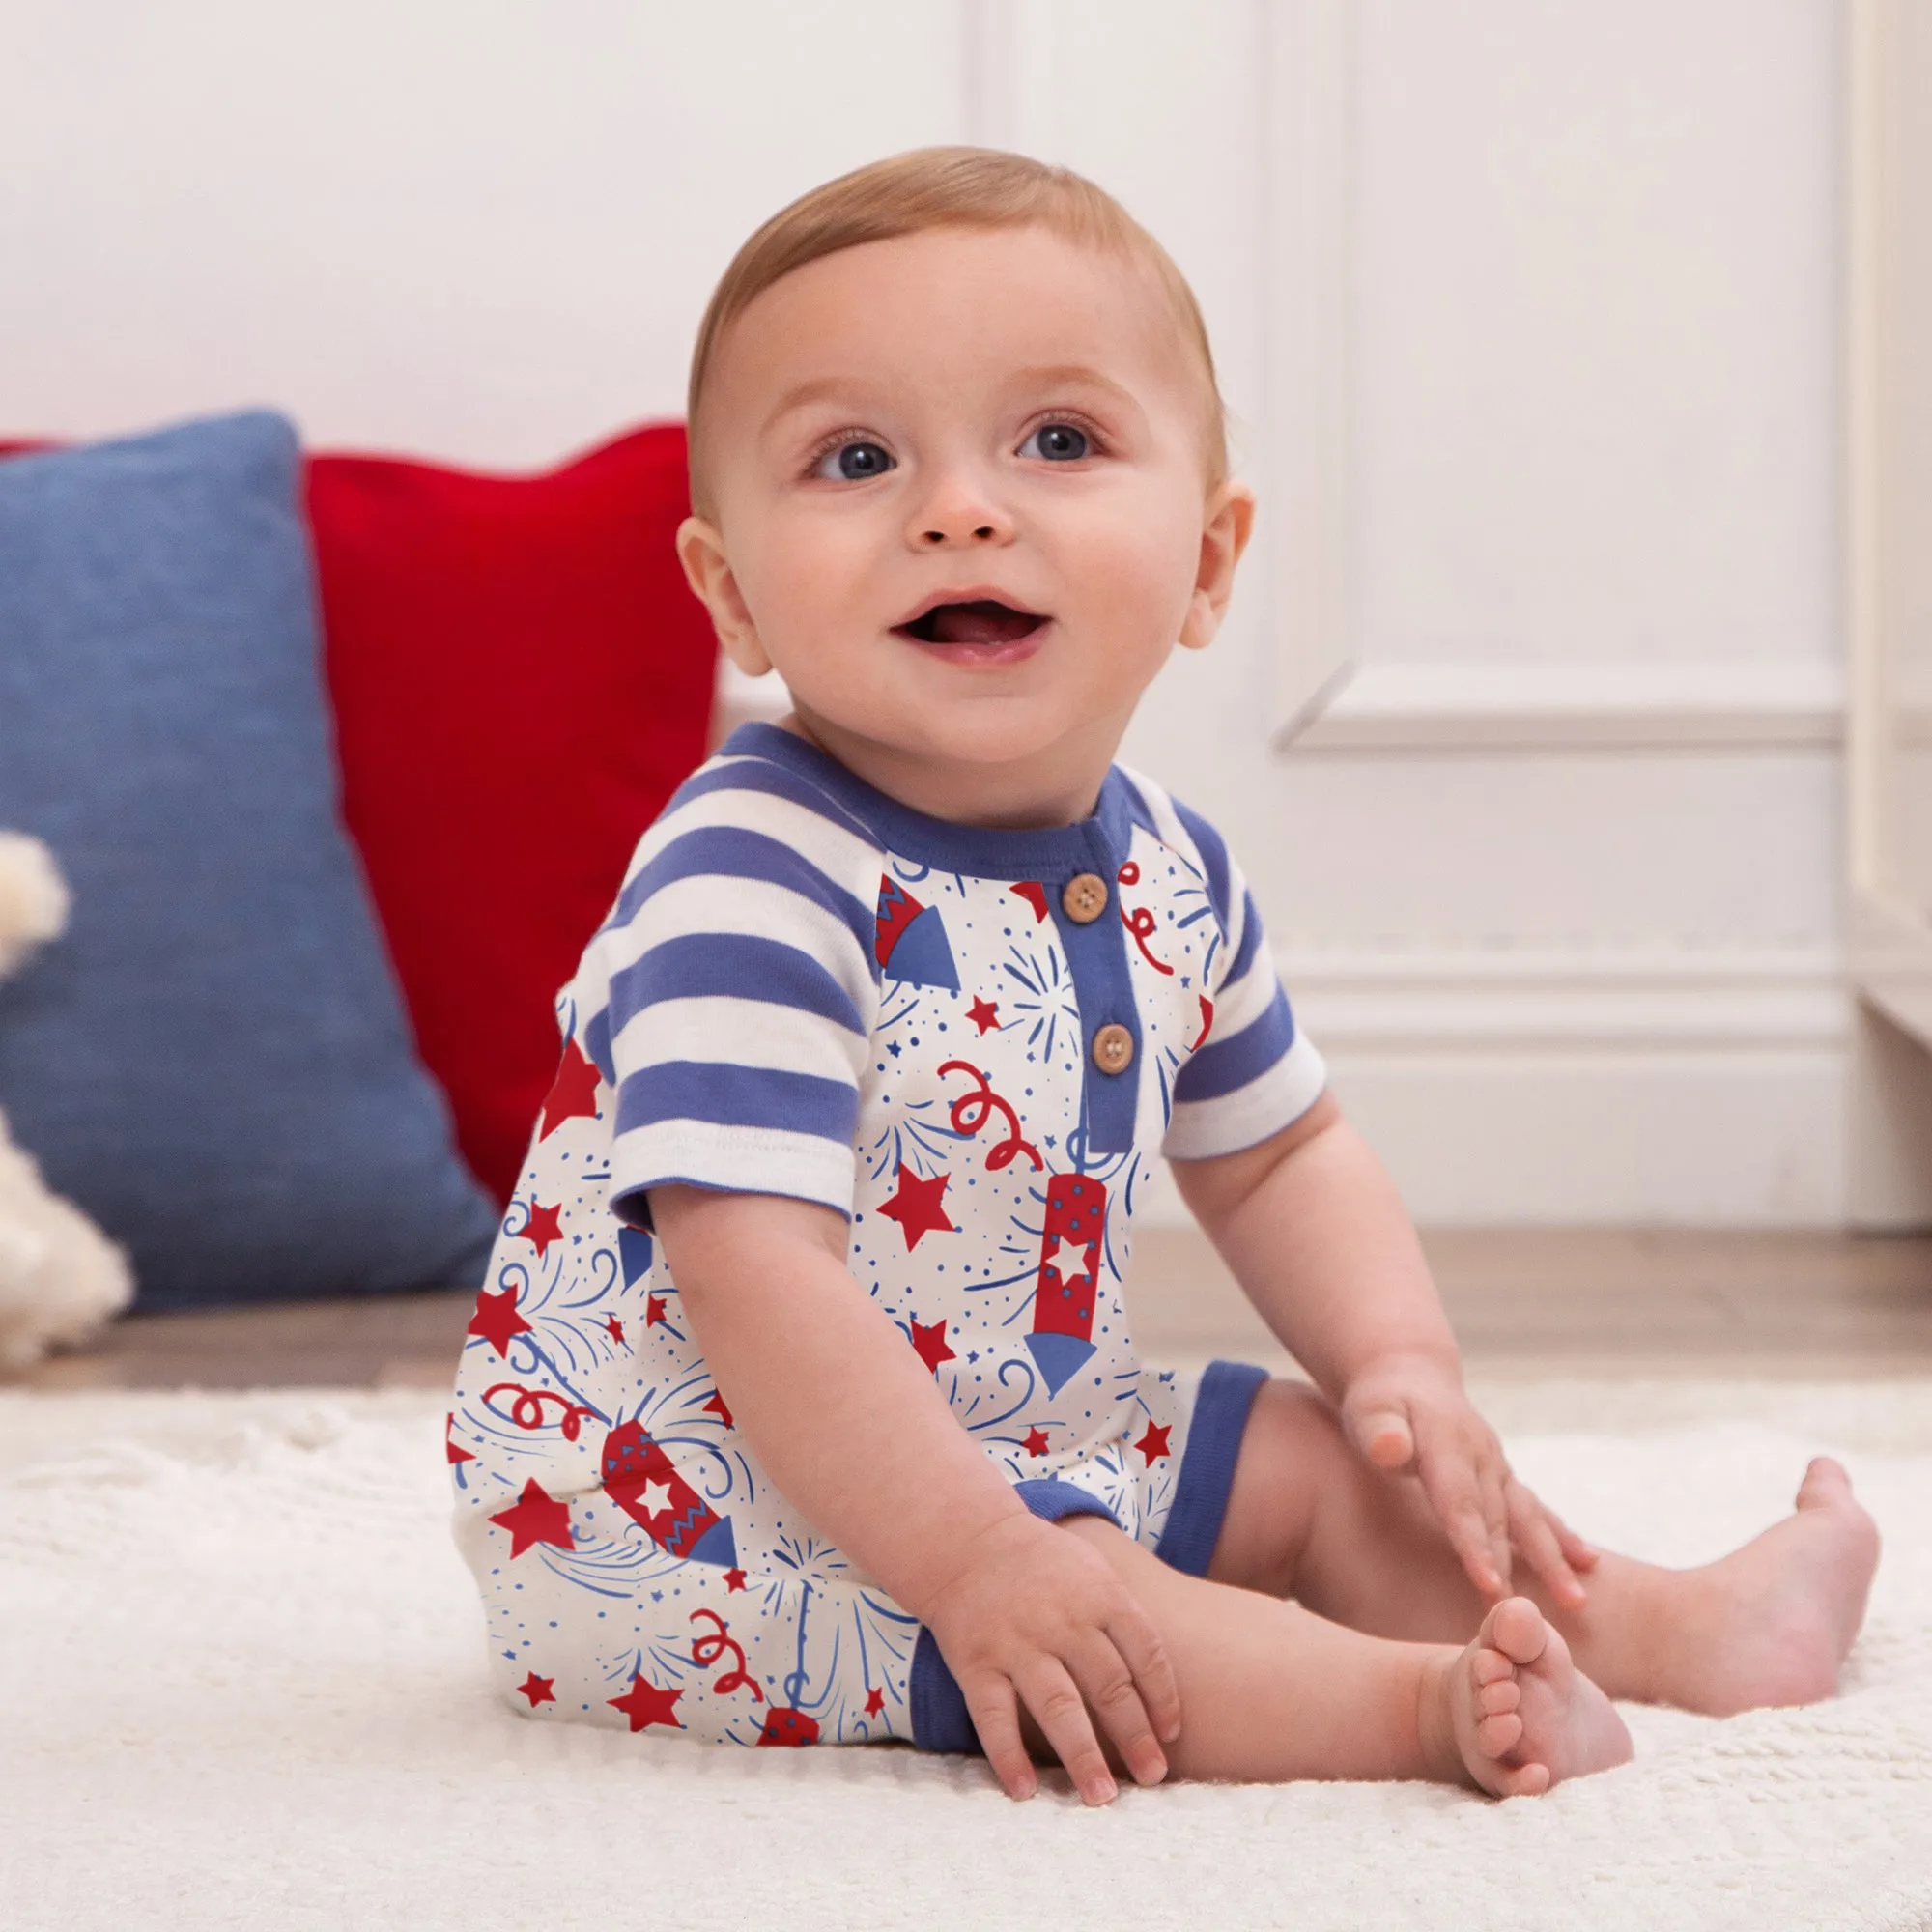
(911, 940)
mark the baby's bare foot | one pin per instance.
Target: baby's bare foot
(1770, 1623)
(1522, 1714)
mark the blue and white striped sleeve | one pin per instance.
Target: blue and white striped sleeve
(739, 992)
(1254, 1072)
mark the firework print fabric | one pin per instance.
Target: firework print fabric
(971, 1042)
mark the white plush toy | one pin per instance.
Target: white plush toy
(59, 1275)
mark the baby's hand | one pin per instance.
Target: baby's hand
(1037, 1617)
(1408, 1412)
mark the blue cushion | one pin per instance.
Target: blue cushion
(215, 1063)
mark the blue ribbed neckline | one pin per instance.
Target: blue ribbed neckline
(1051, 854)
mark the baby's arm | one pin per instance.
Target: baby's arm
(851, 1425)
(1314, 1230)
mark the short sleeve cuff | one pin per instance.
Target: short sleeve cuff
(1248, 1114)
(697, 1154)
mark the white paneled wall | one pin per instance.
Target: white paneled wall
(1557, 883)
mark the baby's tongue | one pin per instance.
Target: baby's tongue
(982, 623)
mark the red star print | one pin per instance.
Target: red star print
(716, 1407)
(614, 1329)
(734, 1580)
(654, 1310)
(497, 1319)
(535, 1517)
(931, 1344)
(984, 1014)
(1035, 1442)
(1154, 1445)
(875, 1702)
(644, 1704)
(451, 1447)
(538, 1690)
(540, 1227)
(572, 1094)
(916, 1207)
(1034, 894)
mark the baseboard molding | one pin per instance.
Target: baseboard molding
(1536, 1089)
(1475, 706)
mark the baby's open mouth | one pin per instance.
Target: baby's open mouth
(983, 621)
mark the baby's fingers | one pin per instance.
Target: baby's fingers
(1060, 1713)
(1112, 1695)
(1578, 1553)
(1458, 1502)
(996, 1718)
(1535, 1535)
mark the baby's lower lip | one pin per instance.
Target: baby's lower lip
(1008, 651)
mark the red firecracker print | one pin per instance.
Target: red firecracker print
(917, 1207)
(716, 1407)
(790, 1727)
(1034, 894)
(1140, 921)
(1062, 1339)
(527, 1410)
(497, 1319)
(969, 1113)
(645, 1704)
(645, 1483)
(573, 1095)
(706, 1650)
(535, 1517)
(452, 1448)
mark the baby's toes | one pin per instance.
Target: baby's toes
(1515, 1628)
(1491, 1667)
(1522, 1780)
(1493, 1700)
(1498, 1734)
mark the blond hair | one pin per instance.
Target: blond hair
(943, 187)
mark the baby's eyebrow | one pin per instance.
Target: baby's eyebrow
(818, 389)
(1072, 375)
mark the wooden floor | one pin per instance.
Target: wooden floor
(1564, 1303)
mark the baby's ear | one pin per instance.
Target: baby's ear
(1227, 522)
(708, 571)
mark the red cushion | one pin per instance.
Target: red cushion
(521, 678)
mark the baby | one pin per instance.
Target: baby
(801, 1405)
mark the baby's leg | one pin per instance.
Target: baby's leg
(1270, 1692)
(1770, 1624)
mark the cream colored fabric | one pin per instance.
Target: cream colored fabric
(240, 1685)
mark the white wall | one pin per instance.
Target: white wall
(1584, 965)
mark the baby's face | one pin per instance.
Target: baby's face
(959, 500)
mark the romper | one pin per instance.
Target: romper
(969, 1041)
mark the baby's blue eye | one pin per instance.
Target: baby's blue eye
(1057, 442)
(854, 462)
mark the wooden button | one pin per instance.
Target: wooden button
(1113, 1049)
(1085, 897)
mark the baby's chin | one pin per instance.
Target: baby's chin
(991, 756)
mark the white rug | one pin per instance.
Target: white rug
(240, 1685)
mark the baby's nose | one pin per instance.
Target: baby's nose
(979, 533)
